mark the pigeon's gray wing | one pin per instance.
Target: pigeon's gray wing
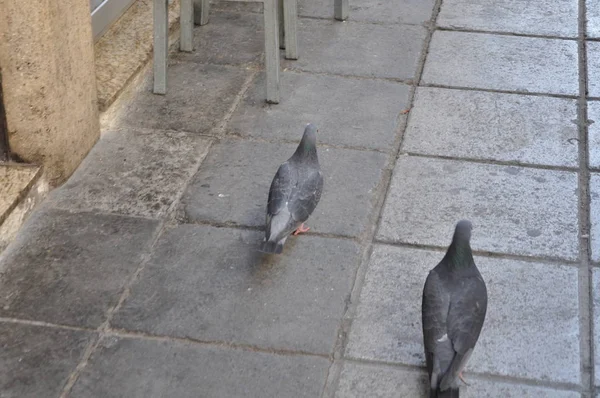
(465, 321)
(438, 347)
(279, 194)
(306, 195)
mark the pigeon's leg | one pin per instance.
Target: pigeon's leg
(460, 376)
(301, 229)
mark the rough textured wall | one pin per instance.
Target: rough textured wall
(47, 61)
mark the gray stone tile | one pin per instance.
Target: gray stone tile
(596, 311)
(515, 210)
(37, 361)
(532, 318)
(391, 11)
(595, 215)
(350, 48)
(71, 268)
(593, 19)
(145, 368)
(233, 183)
(243, 6)
(544, 17)
(358, 381)
(347, 111)
(138, 173)
(229, 38)
(593, 61)
(594, 133)
(198, 97)
(511, 63)
(211, 284)
(485, 125)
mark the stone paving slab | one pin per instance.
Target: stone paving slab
(532, 318)
(391, 11)
(198, 97)
(358, 381)
(347, 111)
(230, 38)
(510, 63)
(143, 368)
(593, 18)
(212, 284)
(350, 48)
(595, 215)
(596, 311)
(593, 63)
(594, 133)
(232, 186)
(543, 17)
(493, 126)
(71, 268)
(37, 361)
(139, 173)
(514, 210)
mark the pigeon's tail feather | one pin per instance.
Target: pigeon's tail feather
(449, 393)
(272, 247)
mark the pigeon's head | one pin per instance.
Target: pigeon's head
(309, 139)
(462, 233)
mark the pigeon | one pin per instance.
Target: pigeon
(454, 308)
(295, 192)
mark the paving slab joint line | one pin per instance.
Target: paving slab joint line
(586, 310)
(493, 90)
(408, 82)
(334, 370)
(502, 33)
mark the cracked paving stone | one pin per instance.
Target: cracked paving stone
(498, 62)
(153, 368)
(212, 284)
(385, 51)
(493, 126)
(198, 97)
(232, 186)
(360, 112)
(542, 17)
(138, 173)
(36, 361)
(514, 210)
(70, 268)
(359, 381)
(532, 317)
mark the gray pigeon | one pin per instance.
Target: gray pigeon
(454, 307)
(294, 194)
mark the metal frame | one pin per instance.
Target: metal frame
(106, 13)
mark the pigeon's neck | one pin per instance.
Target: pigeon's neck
(305, 151)
(460, 255)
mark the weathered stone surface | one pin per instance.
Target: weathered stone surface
(595, 215)
(212, 284)
(544, 17)
(232, 186)
(350, 48)
(15, 182)
(229, 38)
(198, 97)
(523, 64)
(37, 361)
(514, 210)
(138, 173)
(347, 111)
(593, 19)
(594, 133)
(71, 268)
(391, 11)
(358, 381)
(146, 368)
(593, 64)
(524, 332)
(484, 125)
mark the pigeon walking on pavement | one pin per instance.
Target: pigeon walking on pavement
(294, 194)
(454, 308)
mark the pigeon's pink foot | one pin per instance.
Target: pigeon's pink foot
(460, 376)
(301, 229)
